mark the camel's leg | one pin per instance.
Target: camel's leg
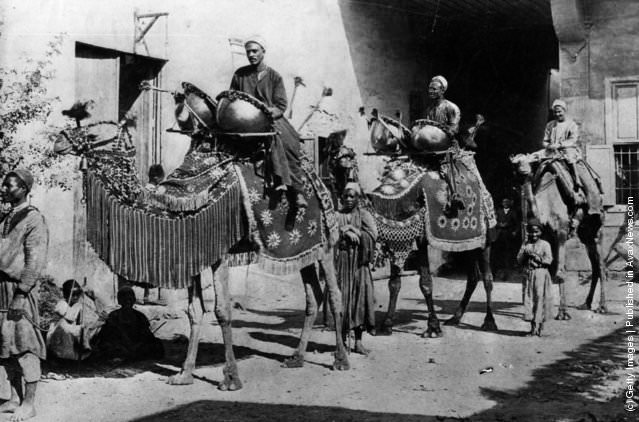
(562, 235)
(487, 276)
(472, 278)
(195, 313)
(314, 294)
(394, 286)
(335, 300)
(223, 314)
(426, 286)
(598, 274)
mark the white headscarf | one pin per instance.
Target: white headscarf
(441, 80)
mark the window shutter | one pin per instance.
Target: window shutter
(600, 157)
(622, 110)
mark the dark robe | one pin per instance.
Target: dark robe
(506, 242)
(127, 335)
(268, 87)
(353, 270)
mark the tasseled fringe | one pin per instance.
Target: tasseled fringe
(165, 252)
(277, 266)
(242, 258)
(192, 202)
(287, 266)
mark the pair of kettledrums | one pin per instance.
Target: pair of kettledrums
(232, 112)
(388, 136)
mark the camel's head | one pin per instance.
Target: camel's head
(103, 136)
(522, 163)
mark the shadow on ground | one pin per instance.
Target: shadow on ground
(571, 387)
(223, 411)
(209, 354)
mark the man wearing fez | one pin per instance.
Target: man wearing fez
(265, 84)
(24, 242)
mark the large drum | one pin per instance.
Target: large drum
(388, 135)
(429, 136)
(194, 108)
(239, 112)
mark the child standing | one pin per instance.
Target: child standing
(536, 256)
(354, 253)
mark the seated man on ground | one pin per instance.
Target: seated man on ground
(127, 335)
(79, 323)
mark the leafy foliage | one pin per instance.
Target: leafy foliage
(25, 106)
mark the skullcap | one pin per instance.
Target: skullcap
(24, 175)
(533, 222)
(353, 186)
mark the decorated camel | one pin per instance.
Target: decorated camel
(550, 194)
(431, 193)
(212, 211)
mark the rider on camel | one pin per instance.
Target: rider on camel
(447, 114)
(560, 141)
(265, 84)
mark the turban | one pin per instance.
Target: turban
(559, 103)
(441, 80)
(353, 186)
(24, 175)
(258, 39)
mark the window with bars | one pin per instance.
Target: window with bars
(626, 171)
(622, 137)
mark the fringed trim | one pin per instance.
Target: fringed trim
(290, 265)
(254, 234)
(242, 258)
(160, 250)
(192, 202)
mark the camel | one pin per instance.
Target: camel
(107, 151)
(384, 131)
(548, 200)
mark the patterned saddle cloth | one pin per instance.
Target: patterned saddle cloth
(284, 248)
(189, 187)
(411, 200)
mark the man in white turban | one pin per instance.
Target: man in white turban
(560, 138)
(265, 84)
(447, 114)
(440, 109)
(560, 141)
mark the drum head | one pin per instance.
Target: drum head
(387, 136)
(195, 109)
(238, 112)
(428, 136)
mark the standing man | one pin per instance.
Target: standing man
(23, 252)
(505, 244)
(265, 84)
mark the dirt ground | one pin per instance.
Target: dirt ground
(573, 373)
